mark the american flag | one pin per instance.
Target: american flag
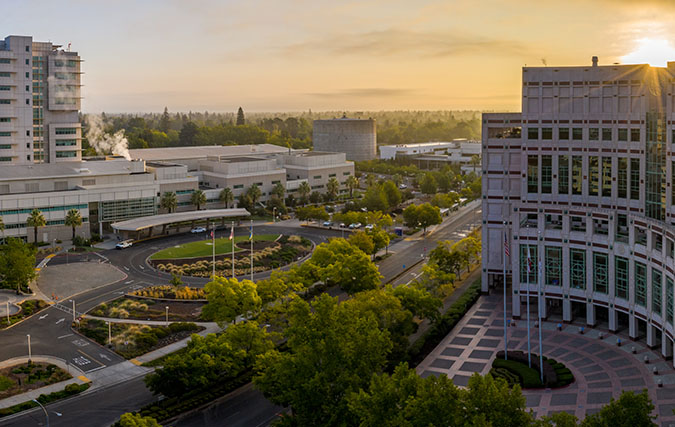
(506, 246)
(212, 234)
(529, 262)
(232, 232)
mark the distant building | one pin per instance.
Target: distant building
(357, 138)
(433, 155)
(39, 103)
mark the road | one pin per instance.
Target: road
(247, 407)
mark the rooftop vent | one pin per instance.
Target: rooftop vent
(595, 61)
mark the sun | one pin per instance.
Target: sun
(655, 52)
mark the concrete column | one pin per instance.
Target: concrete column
(632, 326)
(651, 335)
(567, 310)
(542, 308)
(100, 228)
(613, 320)
(590, 314)
(666, 347)
(515, 306)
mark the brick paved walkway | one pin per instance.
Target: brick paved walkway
(600, 367)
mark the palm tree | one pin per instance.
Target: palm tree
(352, 184)
(279, 190)
(73, 219)
(333, 186)
(198, 198)
(36, 220)
(255, 194)
(169, 201)
(226, 196)
(370, 180)
(304, 189)
(475, 161)
(2, 228)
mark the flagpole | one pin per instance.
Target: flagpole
(506, 340)
(232, 234)
(213, 243)
(529, 354)
(540, 255)
(251, 238)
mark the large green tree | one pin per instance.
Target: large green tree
(254, 193)
(73, 220)
(17, 264)
(241, 120)
(303, 190)
(169, 201)
(36, 220)
(428, 184)
(137, 420)
(332, 351)
(428, 215)
(392, 194)
(229, 298)
(352, 183)
(332, 188)
(374, 199)
(226, 196)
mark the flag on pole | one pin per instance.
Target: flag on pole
(506, 246)
(250, 234)
(232, 232)
(212, 236)
(529, 262)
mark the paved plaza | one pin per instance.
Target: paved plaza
(65, 280)
(601, 368)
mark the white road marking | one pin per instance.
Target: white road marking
(128, 281)
(103, 356)
(42, 317)
(126, 268)
(64, 336)
(81, 361)
(60, 320)
(80, 343)
(142, 268)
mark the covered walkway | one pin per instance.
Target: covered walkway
(134, 228)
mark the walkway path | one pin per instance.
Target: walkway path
(602, 369)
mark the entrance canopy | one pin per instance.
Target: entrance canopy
(145, 222)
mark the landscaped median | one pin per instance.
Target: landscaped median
(27, 309)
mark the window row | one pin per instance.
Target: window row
(591, 134)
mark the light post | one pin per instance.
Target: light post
(7, 302)
(30, 355)
(109, 334)
(167, 315)
(274, 214)
(44, 410)
(74, 310)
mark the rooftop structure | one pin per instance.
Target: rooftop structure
(357, 138)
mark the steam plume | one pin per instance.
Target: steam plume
(105, 143)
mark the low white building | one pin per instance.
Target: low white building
(459, 151)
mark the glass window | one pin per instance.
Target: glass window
(499, 133)
(577, 134)
(553, 222)
(577, 182)
(546, 174)
(600, 226)
(621, 277)
(669, 300)
(563, 133)
(606, 134)
(532, 174)
(546, 133)
(622, 181)
(622, 228)
(623, 134)
(635, 135)
(606, 177)
(593, 134)
(635, 179)
(564, 175)
(593, 175)
(577, 268)
(657, 298)
(640, 284)
(553, 266)
(532, 133)
(600, 275)
(528, 269)
(657, 242)
(640, 236)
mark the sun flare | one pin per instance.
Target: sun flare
(655, 52)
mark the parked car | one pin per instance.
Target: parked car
(402, 186)
(198, 230)
(124, 244)
(369, 227)
(327, 223)
(342, 225)
(355, 225)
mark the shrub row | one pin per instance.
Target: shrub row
(528, 377)
(555, 373)
(438, 331)
(69, 390)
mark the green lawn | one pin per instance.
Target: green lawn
(204, 248)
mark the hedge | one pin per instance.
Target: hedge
(439, 330)
(529, 378)
(69, 390)
(555, 373)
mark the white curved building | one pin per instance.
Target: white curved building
(584, 180)
(357, 138)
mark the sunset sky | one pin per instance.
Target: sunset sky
(288, 55)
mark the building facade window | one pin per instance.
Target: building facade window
(606, 134)
(623, 134)
(564, 133)
(600, 273)
(593, 175)
(640, 284)
(635, 179)
(622, 179)
(621, 277)
(577, 175)
(563, 175)
(593, 134)
(528, 275)
(66, 131)
(669, 300)
(532, 133)
(532, 174)
(546, 174)
(577, 269)
(656, 291)
(607, 177)
(553, 266)
(577, 134)
(547, 133)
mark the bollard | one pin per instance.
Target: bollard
(581, 330)
(655, 370)
(632, 349)
(600, 335)
(659, 382)
(618, 342)
(536, 324)
(646, 359)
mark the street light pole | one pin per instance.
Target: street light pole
(73, 310)
(274, 214)
(167, 315)
(30, 355)
(44, 410)
(109, 334)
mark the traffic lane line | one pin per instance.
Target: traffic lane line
(101, 365)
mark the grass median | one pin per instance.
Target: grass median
(204, 247)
